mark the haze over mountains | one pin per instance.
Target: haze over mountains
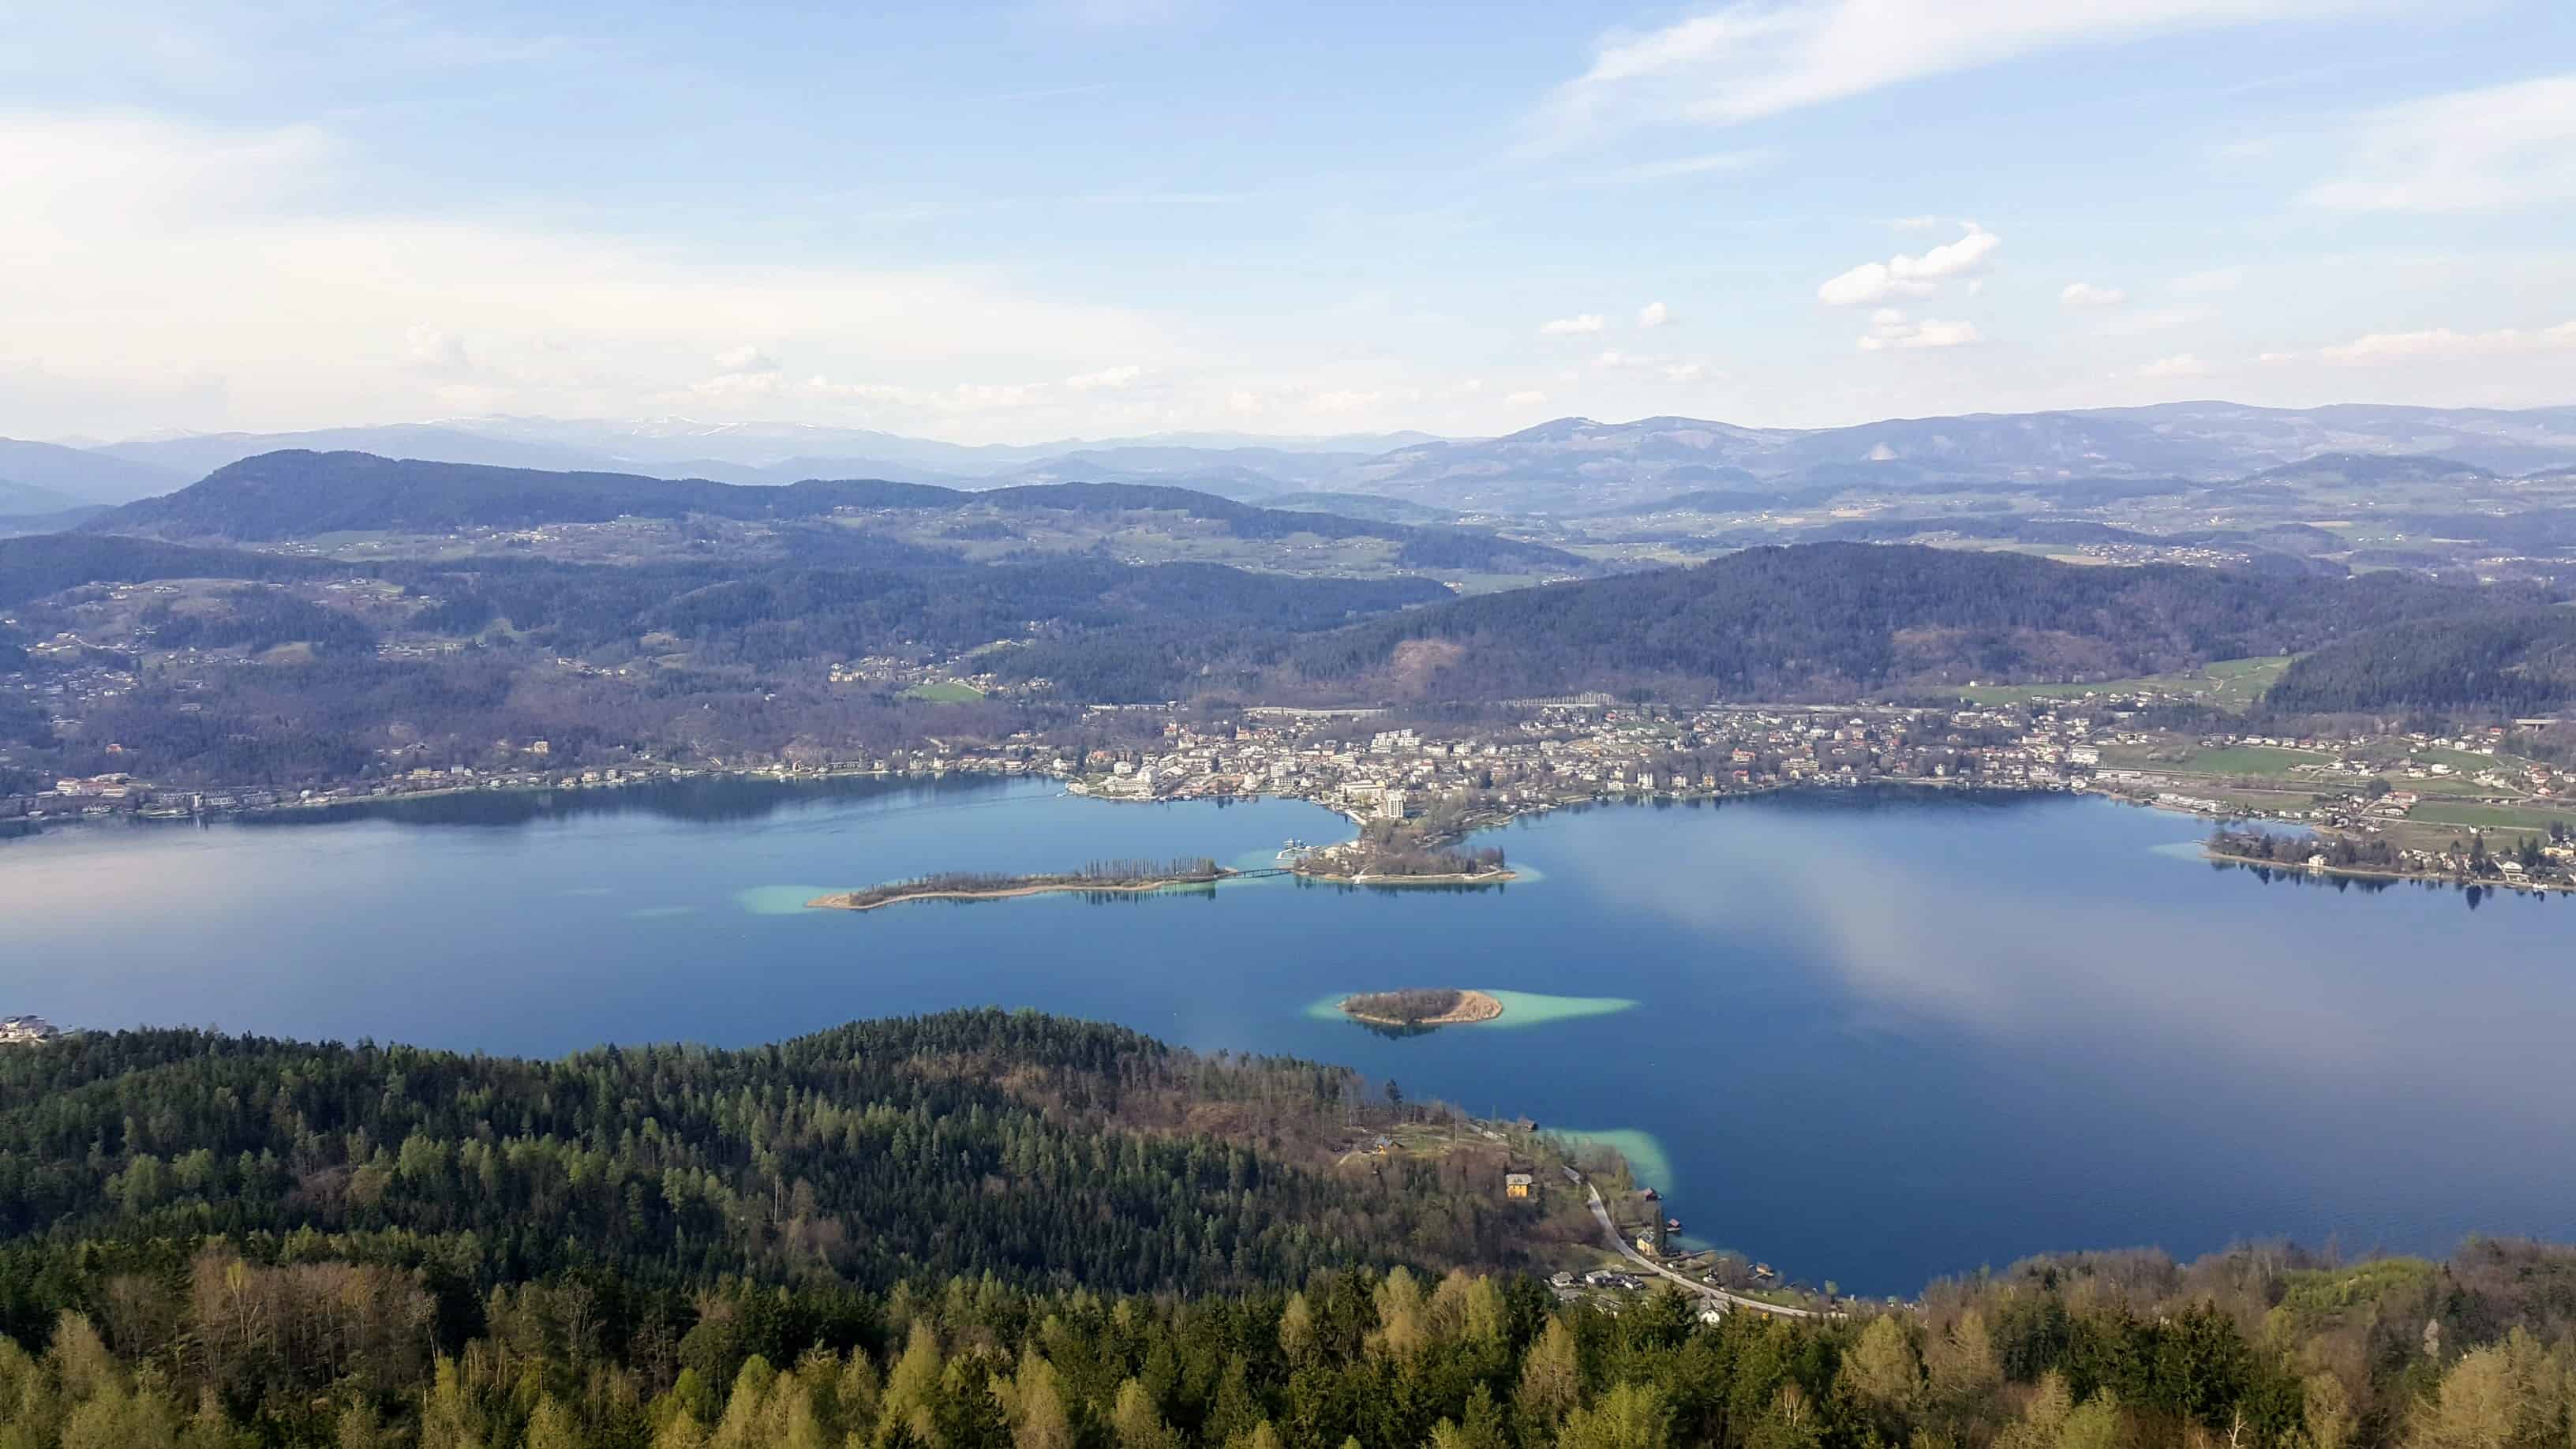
(1565, 466)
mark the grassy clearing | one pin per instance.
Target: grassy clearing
(944, 691)
(2256, 762)
(2229, 684)
(2488, 817)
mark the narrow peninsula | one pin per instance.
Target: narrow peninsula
(1422, 1007)
(1107, 877)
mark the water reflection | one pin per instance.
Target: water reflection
(1868, 1037)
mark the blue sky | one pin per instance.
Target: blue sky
(1094, 217)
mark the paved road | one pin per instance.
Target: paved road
(1610, 1230)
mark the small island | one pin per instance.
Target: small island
(1395, 855)
(1421, 1008)
(1113, 876)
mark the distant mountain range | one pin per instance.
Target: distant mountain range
(48, 477)
(756, 453)
(298, 494)
(1571, 465)
(1575, 464)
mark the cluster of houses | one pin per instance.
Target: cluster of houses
(1598, 1278)
(24, 1030)
(1564, 754)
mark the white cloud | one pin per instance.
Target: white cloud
(2442, 342)
(1910, 276)
(1684, 371)
(2181, 364)
(746, 358)
(1526, 397)
(1654, 314)
(2203, 284)
(143, 260)
(1890, 328)
(1754, 58)
(436, 348)
(1576, 326)
(2503, 146)
(2085, 294)
(1867, 283)
(1614, 359)
(1106, 378)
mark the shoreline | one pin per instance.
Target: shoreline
(1490, 877)
(1472, 1007)
(847, 900)
(2363, 872)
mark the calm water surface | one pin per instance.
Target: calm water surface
(1873, 1039)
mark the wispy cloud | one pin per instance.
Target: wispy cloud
(302, 309)
(1889, 328)
(1105, 379)
(1756, 58)
(2085, 294)
(2443, 342)
(2479, 150)
(1581, 325)
(1673, 168)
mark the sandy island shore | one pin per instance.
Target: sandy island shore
(1472, 1007)
(849, 900)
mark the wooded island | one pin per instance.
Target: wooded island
(1422, 1007)
(962, 885)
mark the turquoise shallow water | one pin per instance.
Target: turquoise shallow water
(1520, 1008)
(1871, 1038)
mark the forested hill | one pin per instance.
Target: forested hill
(1039, 1150)
(438, 658)
(899, 1235)
(2512, 662)
(297, 494)
(1838, 619)
(48, 563)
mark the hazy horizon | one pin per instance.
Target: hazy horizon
(663, 426)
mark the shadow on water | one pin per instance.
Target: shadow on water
(1390, 1030)
(2474, 894)
(731, 800)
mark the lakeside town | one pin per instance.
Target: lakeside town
(2463, 807)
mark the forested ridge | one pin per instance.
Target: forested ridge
(48, 563)
(1838, 619)
(2512, 661)
(299, 494)
(228, 1242)
(719, 658)
(697, 659)
(879, 1150)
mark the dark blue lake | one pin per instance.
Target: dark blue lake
(1873, 1038)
